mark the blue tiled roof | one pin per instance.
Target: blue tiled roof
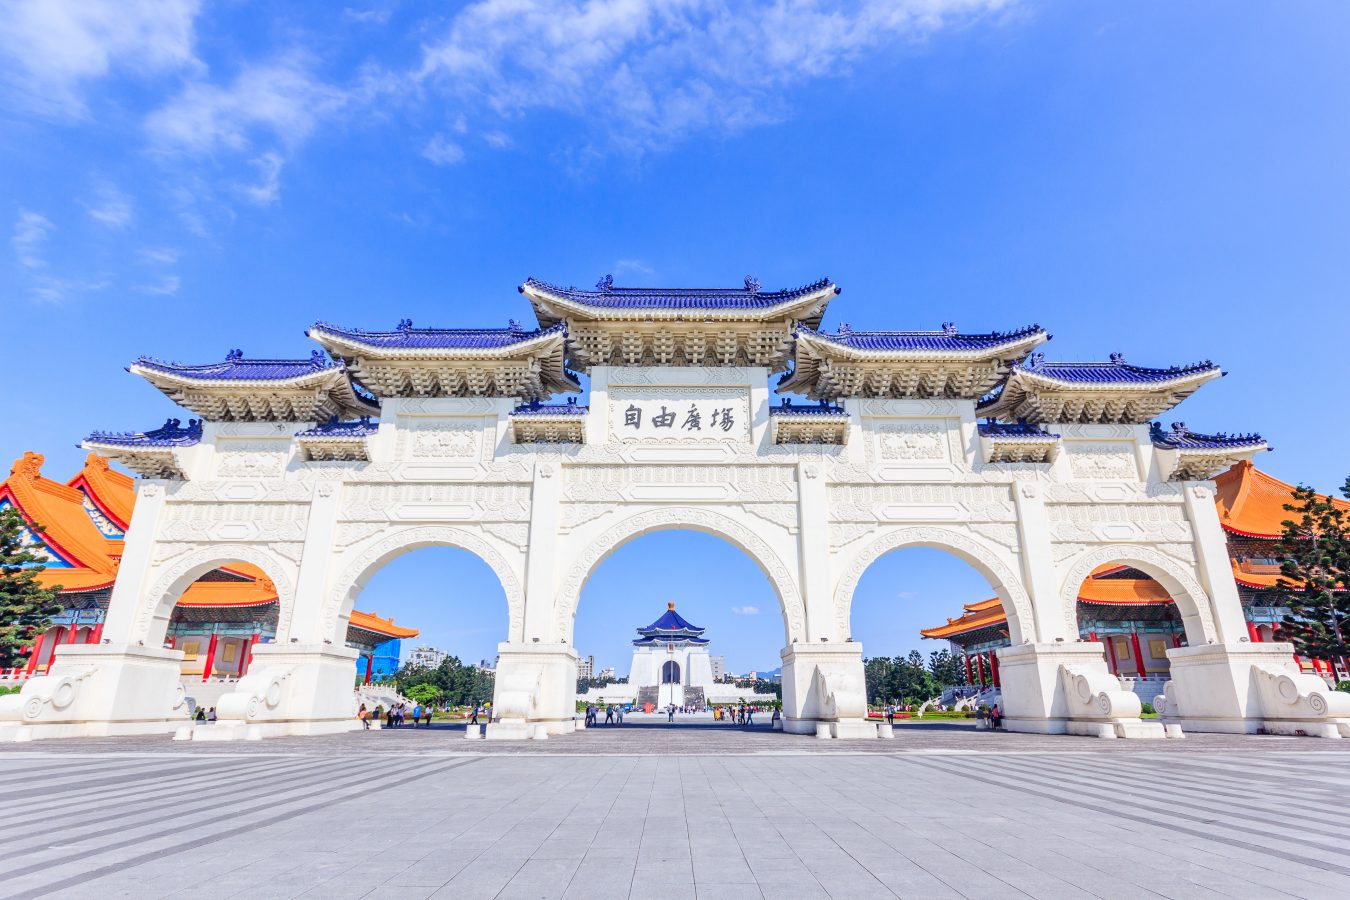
(354, 428)
(1178, 437)
(656, 639)
(571, 407)
(237, 368)
(1115, 371)
(405, 337)
(948, 339)
(1013, 429)
(823, 408)
(671, 621)
(749, 297)
(170, 434)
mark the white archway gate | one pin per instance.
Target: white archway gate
(680, 432)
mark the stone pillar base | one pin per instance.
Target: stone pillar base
(290, 689)
(1247, 689)
(824, 683)
(95, 690)
(536, 685)
(1065, 688)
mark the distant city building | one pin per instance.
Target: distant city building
(586, 667)
(485, 666)
(719, 667)
(429, 657)
(607, 672)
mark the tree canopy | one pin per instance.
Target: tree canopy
(908, 679)
(26, 607)
(458, 684)
(1315, 575)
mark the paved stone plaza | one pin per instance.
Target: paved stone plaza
(691, 811)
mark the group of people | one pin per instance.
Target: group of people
(992, 715)
(204, 716)
(395, 716)
(737, 715)
(613, 714)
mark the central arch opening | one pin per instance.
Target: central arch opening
(427, 621)
(683, 619)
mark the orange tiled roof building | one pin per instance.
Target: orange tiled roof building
(218, 619)
(1132, 614)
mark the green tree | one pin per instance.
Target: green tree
(26, 607)
(946, 668)
(424, 693)
(1315, 575)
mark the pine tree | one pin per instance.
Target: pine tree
(25, 605)
(1315, 576)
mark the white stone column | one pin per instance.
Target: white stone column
(1039, 574)
(311, 585)
(1213, 565)
(813, 551)
(541, 593)
(137, 552)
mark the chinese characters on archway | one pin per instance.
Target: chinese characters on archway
(722, 417)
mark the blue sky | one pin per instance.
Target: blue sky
(1167, 180)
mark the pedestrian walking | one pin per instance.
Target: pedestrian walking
(417, 714)
(670, 712)
(364, 715)
(473, 719)
(609, 714)
(426, 714)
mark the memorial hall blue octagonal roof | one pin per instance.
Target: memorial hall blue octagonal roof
(670, 628)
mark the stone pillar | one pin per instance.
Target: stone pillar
(1033, 694)
(541, 561)
(311, 583)
(534, 691)
(137, 552)
(824, 684)
(1213, 565)
(1039, 574)
(813, 545)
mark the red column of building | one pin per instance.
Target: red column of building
(1253, 632)
(1176, 640)
(370, 667)
(248, 660)
(979, 668)
(1138, 654)
(1111, 655)
(35, 653)
(970, 678)
(210, 658)
(993, 667)
(96, 633)
(74, 629)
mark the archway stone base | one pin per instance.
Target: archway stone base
(1066, 688)
(825, 684)
(290, 689)
(535, 690)
(1250, 688)
(97, 690)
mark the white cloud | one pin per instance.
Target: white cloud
(375, 16)
(113, 208)
(30, 236)
(634, 267)
(268, 186)
(645, 73)
(497, 140)
(443, 151)
(281, 101)
(166, 286)
(54, 48)
(163, 256)
(745, 610)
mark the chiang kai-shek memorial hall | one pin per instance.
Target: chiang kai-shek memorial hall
(319, 470)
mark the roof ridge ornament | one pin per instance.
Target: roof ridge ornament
(1036, 360)
(405, 325)
(605, 284)
(319, 358)
(234, 355)
(949, 328)
(752, 284)
(1118, 359)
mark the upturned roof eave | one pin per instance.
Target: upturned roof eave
(1011, 350)
(587, 312)
(347, 347)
